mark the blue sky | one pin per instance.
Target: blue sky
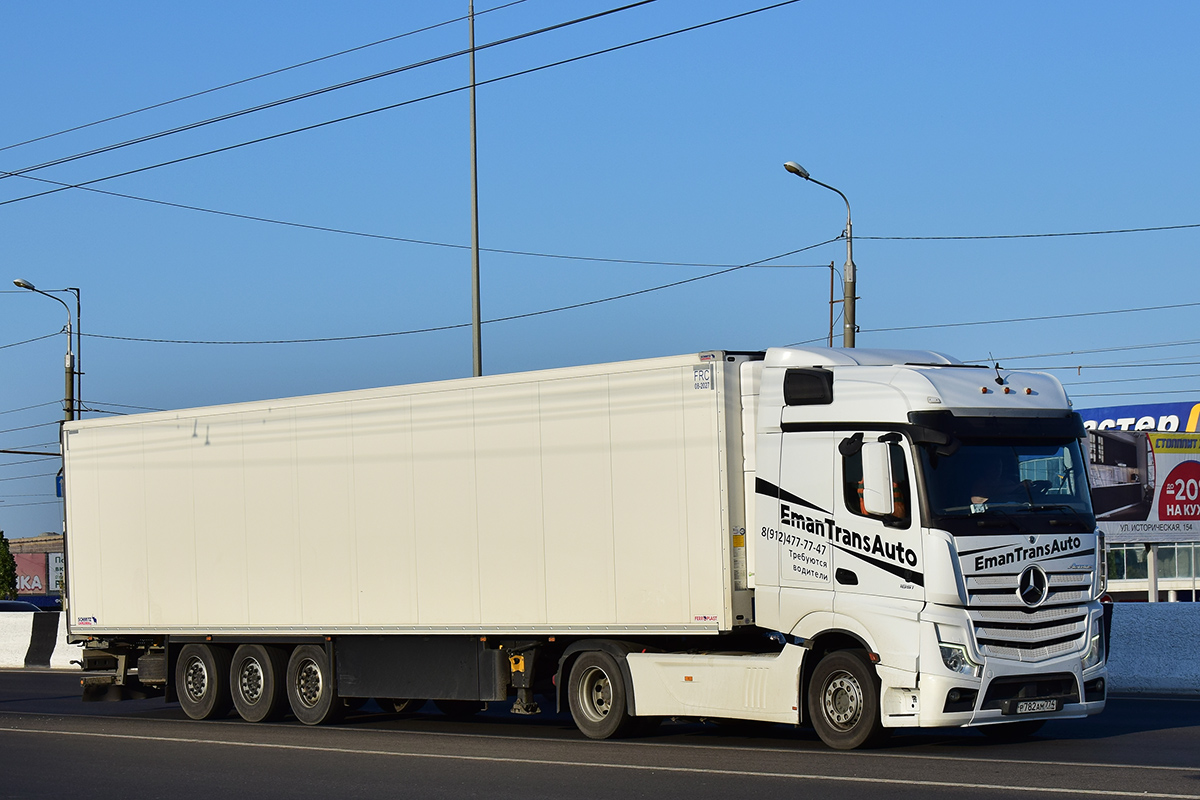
(935, 119)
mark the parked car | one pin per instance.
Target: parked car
(17, 605)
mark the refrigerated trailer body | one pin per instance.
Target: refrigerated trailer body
(710, 535)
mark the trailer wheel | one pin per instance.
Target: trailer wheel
(311, 691)
(843, 701)
(596, 693)
(200, 681)
(256, 682)
(399, 705)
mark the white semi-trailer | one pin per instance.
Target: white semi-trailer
(855, 539)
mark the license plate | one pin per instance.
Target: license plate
(1034, 706)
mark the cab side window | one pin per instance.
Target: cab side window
(852, 488)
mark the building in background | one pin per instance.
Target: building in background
(39, 569)
(1145, 474)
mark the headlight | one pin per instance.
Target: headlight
(1095, 654)
(956, 660)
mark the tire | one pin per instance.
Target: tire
(399, 705)
(460, 709)
(1012, 731)
(256, 679)
(311, 691)
(598, 697)
(202, 681)
(843, 701)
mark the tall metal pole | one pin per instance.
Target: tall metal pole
(69, 361)
(476, 320)
(848, 287)
(78, 354)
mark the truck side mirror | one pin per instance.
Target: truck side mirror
(878, 497)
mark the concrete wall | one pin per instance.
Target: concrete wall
(1153, 649)
(29, 639)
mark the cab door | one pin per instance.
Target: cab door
(875, 555)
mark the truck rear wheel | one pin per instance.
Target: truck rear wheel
(597, 695)
(311, 690)
(399, 705)
(256, 682)
(201, 675)
(843, 701)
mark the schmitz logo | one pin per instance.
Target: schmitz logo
(1065, 545)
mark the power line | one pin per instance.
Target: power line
(257, 77)
(22, 505)
(27, 408)
(29, 460)
(317, 92)
(30, 477)
(1114, 366)
(29, 427)
(1095, 350)
(1129, 394)
(31, 341)
(385, 237)
(392, 106)
(1031, 319)
(123, 405)
(1030, 235)
(437, 328)
(1134, 380)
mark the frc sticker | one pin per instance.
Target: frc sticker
(702, 377)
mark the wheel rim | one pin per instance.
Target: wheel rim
(195, 678)
(595, 694)
(309, 683)
(250, 680)
(842, 700)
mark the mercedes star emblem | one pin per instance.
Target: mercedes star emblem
(1032, 586)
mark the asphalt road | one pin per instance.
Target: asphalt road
(52, 745)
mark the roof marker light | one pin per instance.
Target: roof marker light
(1028, 390)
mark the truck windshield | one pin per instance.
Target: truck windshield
(990, 483)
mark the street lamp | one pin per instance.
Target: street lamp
(69, 363)
(848, 326)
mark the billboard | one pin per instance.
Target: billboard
(31, 573)
(1166, 417)
(1145, 484)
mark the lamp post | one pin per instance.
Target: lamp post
(69, 363)
(848, 324)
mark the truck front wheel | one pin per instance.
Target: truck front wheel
(843, 701)
(311, 691)
(256, 682)
(201, 675)
(597, 696)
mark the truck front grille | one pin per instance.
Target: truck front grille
(1006, 628)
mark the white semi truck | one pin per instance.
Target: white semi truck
(854, 539)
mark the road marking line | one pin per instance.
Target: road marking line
(237, 723)
(601, 765)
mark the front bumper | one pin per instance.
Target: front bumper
(950, 699)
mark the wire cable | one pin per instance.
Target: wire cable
(27, 408)
(31, 341)
(317, 92)
(436, 328)
(28, 427)
(1129, 394)
(1150, 346)
(1030, 319)
(1133, 380)
(1029, 235)
(30, 477)
(401, 104)
(257, 77)
(22, 505)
